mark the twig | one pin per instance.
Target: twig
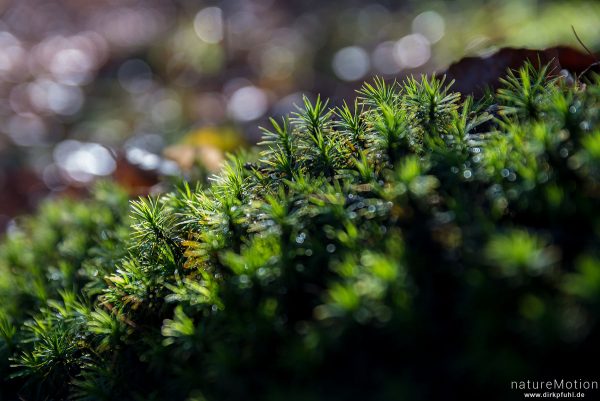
(597, 62)
(582, 44)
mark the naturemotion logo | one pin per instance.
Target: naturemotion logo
(554, 388)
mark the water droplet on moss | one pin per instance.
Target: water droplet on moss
(564, 152)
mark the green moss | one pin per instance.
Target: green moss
(414, 245)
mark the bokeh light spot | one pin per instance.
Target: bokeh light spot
(83, 161)
(351, 63)
(431, 25)
(384, 60)
(208, 25)
(248, 103)
(412, 51)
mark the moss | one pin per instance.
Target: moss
(415, 245)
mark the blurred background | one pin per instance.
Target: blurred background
(136, 88)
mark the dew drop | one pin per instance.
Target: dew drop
(564, 152)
